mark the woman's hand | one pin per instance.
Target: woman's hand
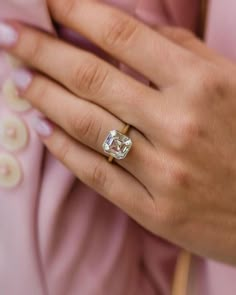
(179, 179)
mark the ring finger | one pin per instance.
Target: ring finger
(81, 119)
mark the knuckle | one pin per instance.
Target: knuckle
(90, 77)
(208, 82)
(39, 91)
(99, 176)
(38, 94)
(186, 132)
(179, 177)
(85, 127)
(178, 35)
(35, 50)
(212, 84)
(120, 30)
(63, 9)
(61, 149)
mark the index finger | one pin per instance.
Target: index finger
(122, 36)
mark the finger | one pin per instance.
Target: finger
(188, 40)
(123, 37)
(86, 75)
(85, 121)
(111, 181)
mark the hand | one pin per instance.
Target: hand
(179, 179)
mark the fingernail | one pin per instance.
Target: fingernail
(8, 35)
(42, 127)
(22, 79)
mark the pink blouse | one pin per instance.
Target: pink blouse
(57, 236)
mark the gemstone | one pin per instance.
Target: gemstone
(117, 145)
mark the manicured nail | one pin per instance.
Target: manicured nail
(22, 79)
(8, 35)
(42, 127)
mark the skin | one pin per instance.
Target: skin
(179, 179)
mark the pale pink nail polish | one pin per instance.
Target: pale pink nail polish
(22, 78)
(42, 127)
(8, 35)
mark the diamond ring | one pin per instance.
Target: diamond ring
(117, 145)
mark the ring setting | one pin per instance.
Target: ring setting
(117, 145)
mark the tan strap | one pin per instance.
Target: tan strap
(182, 270)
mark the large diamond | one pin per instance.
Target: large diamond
(117, 145)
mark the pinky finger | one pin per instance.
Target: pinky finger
(93, 169)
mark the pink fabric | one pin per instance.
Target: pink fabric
(221, 27)
(58, 236)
